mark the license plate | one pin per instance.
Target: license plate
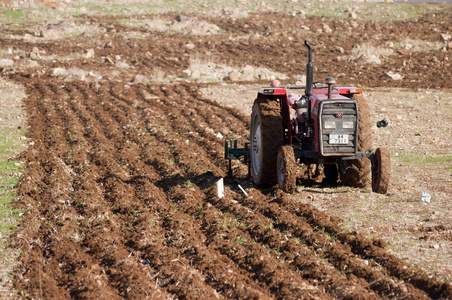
(338, 138)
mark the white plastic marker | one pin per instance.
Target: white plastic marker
(220, 188)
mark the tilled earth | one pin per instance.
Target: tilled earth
(119, 204)
(119, 193)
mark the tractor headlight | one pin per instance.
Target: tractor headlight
(347, 125)
(330, 125)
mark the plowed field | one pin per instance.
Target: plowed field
(120, 205)
(119, 193)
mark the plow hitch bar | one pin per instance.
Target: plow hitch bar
(232, 152)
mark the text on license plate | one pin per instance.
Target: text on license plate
(338, 138)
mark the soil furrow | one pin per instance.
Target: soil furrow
(294, 250)
(124, 206)
(340, 256)
(369, 250)
(120, 189)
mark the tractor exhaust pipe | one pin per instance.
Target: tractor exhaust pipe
(309, 71)
(309, 79)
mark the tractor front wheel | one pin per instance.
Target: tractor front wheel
(286, 169)
(265, 140)
(381, 171)
(356, 172)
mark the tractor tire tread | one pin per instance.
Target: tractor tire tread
(286, 156)
(381, 175)
(356, 173)
(269, 112)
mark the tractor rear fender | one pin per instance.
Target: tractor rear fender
(270, 91)
(281, 95)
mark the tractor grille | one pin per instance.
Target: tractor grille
(338, 124)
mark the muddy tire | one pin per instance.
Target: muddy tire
(265, 140)
(356, 172)
(286, 169)
(381, 171)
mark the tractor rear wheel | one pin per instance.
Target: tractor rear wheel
(265, 140)
(286, 169)
(356, 172)
(381, 171)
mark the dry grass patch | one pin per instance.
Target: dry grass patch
(184, 25)
(419, 45)
(374, 53)
(203, 68)
(12, 141)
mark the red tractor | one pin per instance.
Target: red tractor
(327, 126)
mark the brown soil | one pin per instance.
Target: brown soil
(118, 193)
